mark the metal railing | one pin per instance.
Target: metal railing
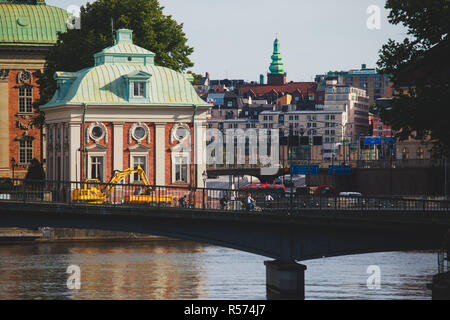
(443, 262)
(368, 164)
(137, 195)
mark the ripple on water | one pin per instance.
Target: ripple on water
(186, 270)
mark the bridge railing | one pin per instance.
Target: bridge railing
(138, 195)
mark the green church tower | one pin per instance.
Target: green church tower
(277, 76)
(276, 67)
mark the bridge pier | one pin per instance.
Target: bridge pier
(285, 280)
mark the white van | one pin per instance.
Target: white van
(350, 194)
(351, 199)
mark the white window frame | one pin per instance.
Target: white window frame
(138, 154)
(175, 157)
(26, 98)
(97, 154)
(142, 88)
(26, 150)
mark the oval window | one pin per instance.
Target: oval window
(181, 133)
(139, 133)
(97, 132)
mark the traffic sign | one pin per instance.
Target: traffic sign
(389, 140)
(305, 169)
(339, 170)
(372, 140)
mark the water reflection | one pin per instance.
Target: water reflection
(171, 270)
(149, 270)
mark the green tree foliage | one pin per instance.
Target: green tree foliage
(152, 30)
(420, 71)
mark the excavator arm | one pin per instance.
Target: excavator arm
(120, 175)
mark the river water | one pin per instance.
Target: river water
(172, 270)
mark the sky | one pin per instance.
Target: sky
(233, 39)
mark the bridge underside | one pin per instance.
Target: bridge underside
(308, 235)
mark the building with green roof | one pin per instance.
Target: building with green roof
(30, 23)
(27, 30)
(125, 111)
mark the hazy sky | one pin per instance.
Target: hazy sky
(234, 38)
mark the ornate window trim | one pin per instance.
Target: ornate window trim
(4, 74)
(89, 134)
(173, 133)
(132, 136)
(24, 76)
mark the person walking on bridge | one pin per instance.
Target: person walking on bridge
(183, 201)
(268, 200)
(250, 203)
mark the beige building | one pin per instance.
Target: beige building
(356, 103)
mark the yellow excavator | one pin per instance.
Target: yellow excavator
(91, 194)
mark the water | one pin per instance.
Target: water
(172, 270)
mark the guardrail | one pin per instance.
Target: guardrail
(137, 195)
(367, 164)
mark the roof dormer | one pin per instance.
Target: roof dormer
(138, 86)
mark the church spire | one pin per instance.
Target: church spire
(276, 67)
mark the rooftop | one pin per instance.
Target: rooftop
(30, 23)
(107, 82)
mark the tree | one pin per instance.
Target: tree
(420, 71)
(35, 171)
(152, 30)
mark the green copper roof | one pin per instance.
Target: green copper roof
(124, 51)
(108, 83)
(30, 24)
(276, 67)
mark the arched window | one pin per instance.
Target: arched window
(419, 153)
(405, 154)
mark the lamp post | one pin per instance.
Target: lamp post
(204, 176)
(13, 164)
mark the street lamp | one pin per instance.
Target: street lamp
(204, 176)
(13, 164)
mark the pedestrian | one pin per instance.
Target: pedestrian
(268, 200)
(224, 202)
(183, 201)
(250, 203)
